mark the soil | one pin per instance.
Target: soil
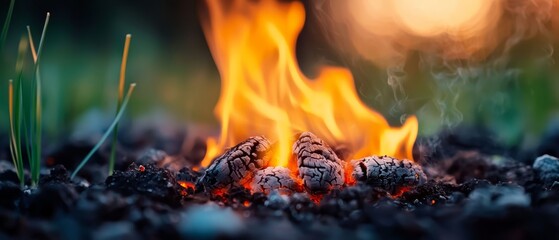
(476, 189)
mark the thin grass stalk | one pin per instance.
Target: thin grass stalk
(26, 120)
(15, 144)
(32, 44)
(15, 112)
(121, 81)
(6, 26)
(36, 132)
(108, 132)
(18, 101)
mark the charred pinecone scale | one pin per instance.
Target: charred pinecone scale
(388, 173)
(274, 178)
(236, 166)
(319, 167)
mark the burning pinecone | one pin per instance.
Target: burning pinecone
(274, 178)
(236, 166)
(319, 167)
(388, 173)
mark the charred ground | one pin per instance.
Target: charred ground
(469, 191)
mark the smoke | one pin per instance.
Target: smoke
(460, 43)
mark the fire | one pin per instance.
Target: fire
(186, 184)
(265, 93)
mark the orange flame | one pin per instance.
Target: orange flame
(265, 93)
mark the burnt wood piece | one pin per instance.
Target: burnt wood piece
(274, 178)
(319, 167)
(388, 173)
(237, 165)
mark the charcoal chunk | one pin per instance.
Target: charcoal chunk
(156, 183)
(319, 167)
(236, 166)
(274, 178)
(188, 175)
(58, 174)
(547, 169)
(388, 173)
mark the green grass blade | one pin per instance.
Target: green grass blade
(112, 158)
(20, 120)
(31, 44)
(17, 124)
(35, 160)
(42, 41)
(15, 110)
(6, 26)
(108, 132)
(14, 144)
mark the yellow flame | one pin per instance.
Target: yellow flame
(265, 93)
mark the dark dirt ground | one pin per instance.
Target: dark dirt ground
(476, 189)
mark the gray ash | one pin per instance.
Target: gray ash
(319, 167)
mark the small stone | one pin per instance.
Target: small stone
(547, 169)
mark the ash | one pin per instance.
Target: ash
(465, 190)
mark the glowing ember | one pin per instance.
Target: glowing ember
(264, 92)
(186, 184)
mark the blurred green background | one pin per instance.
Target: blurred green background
(171, 63)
